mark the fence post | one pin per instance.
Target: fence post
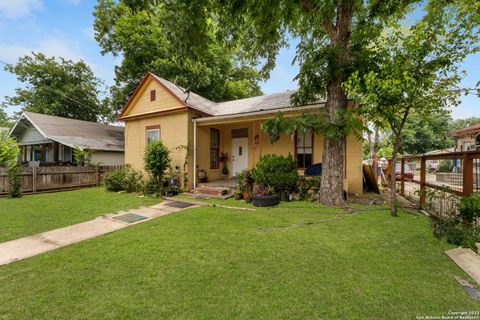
(402, 177)
(34, 179)
(97, 176)
(467, 174)
(423, 176)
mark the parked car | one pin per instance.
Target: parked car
(407, 174)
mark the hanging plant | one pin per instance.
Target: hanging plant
(274, 127)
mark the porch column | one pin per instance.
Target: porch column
(55, 152)
(194, 153)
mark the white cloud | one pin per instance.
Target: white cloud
(14, 9)
(50, 46)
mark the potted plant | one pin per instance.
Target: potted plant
(264, 197)
(238, 195)
(248, 198)
(202, 175)
(273, 175)
(223, 159)
(245, 183)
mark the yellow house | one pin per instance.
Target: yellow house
(159, 109)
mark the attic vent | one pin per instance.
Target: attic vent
(152, 95)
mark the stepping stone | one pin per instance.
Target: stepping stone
(129, 217)
(468, 260)
(473, 292)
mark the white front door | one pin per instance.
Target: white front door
(239, 155)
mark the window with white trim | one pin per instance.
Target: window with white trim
(153, 135)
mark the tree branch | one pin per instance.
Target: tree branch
(329, 27)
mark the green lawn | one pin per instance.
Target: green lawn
(212, 263)
(37, 213)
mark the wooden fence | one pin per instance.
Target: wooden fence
(58, 178)
(437, 180)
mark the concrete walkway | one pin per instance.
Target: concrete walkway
(27, 247)
(468, 260)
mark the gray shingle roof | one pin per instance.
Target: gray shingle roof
(78, 133)
(275, 101)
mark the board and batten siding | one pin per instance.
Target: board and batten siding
(32, 136)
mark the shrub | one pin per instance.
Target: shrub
(445, 166)
(125, 179)
(14, 180)
(306, 187)
(9, 151)
(157, 160)
(469, 208)
(151, 187)
(461, 229)
(276, 172)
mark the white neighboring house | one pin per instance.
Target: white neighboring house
(49, 140)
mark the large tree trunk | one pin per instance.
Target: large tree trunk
(331, 189)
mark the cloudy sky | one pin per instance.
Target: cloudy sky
(64, 28)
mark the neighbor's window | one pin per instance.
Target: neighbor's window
(214, 148)
(304, 150)
(153, 134)
(152, 95)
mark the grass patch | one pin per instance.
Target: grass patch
(38, 213)
(212, 263)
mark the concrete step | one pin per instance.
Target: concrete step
(213, 191)
(468, 260)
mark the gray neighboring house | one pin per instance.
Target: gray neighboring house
(49, 140)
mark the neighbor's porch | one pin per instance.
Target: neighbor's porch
(48, 153)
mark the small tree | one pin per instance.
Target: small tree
(83, 157)
(157, 161)
(416, 75)
(9, 152)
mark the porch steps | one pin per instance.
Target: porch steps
(468, 260)
(212, 191)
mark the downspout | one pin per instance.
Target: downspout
(194, 153)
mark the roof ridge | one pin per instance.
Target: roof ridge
(184, 91)
(70, 119)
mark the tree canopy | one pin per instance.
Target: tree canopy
(147, 40)
(58, 87)
(417, 75)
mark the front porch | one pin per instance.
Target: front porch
(241, 137)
